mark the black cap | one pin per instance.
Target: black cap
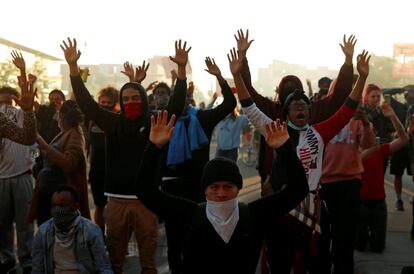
(221, 169)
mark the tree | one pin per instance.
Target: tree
(40, 70)
(8, 74)
(381, 69)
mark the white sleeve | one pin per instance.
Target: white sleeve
(257, 118)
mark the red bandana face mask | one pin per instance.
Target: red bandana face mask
(133, 110)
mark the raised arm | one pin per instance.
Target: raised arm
(330, 127)
(146, 186)
(292, 193)
(27, 134)
(402, 137)
(176, 102)
(255, 115)
(324, 108)
(103, 118)
(213, 116)
(19, 62)
(264, 104)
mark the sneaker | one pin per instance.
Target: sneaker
(399, 205)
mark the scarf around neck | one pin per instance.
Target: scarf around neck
(65, 238)
(224, 217)
(185, 140)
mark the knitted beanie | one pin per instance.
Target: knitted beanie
(221, 169)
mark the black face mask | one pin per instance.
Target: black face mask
(109, 108)
(63, 217)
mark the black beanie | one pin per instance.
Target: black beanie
(221, 169)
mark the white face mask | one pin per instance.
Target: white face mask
(224, 217)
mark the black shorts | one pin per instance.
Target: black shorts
(400, 160)
(97, 187)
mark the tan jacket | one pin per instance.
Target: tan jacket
(72, 160)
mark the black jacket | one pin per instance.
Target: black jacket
(125, 140)
(205, 251)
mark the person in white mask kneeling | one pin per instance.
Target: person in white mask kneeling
(223, 235)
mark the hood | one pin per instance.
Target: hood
(142, 93)
(284, 91)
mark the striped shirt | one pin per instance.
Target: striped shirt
(15, 159)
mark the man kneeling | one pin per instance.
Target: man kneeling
(68, 242)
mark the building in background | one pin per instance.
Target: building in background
(268, 78)
(104, 75)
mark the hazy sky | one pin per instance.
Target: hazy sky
(305, 32)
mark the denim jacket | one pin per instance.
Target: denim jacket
(88, 244)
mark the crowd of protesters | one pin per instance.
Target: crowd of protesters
(322, 164)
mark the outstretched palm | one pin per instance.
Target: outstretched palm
(234, 61)
(161, 131)
(212, 67)
(348, 45)
(71, 53)
(363, 63)
(277, 134)
(141, 72)
(243, 42)
(26, 100)
(18, 60)
(181, 53)
(128, 71)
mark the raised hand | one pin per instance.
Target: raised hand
(141, 72)
(161, 131)
(18, 60)
(181, 53)
(243, 42)
(363, 64)
(151, 86)
(212, 68)
(387, 110)
(71, 53)
(277, 134)
(128, 71)
(348, 46)
(235, 62)
(26, 100)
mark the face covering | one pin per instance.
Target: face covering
(133, 110)
(223, 216)
(63, 217)
(110, 108)
(305, 127)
